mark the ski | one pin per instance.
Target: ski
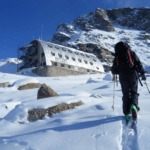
(131, 123)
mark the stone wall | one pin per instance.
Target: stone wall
(55, 71)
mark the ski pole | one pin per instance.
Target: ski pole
(140, 82)
(137, 73)
(114, 95)
(116, 80)
(147, 86)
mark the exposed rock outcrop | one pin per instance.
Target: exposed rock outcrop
(63, 33)
(29, 86)
(45, 91)
(102, 53)
(144, 37)
(94, 20)
(66, 28)
(105, 55)
(37, 114)
(137, 18)
(61, 37)
(107, 68)
(5, 84)
(89, 47)
(102, 19)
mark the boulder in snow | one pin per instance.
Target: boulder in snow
(62, 107)
(29, 86)
(37, 114)
(5, 84)
(45, 91)
(28, 83)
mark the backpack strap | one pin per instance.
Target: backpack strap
(131, 61)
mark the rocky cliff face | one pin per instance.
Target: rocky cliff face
(94, 20)
(92, 32)
(137, 18)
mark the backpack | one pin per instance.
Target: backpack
(123, 56)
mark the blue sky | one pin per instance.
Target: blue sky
(22, 20)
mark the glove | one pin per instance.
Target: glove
(143, 77)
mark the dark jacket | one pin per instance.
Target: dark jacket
(137, 65)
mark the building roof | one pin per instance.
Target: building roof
(70, 56)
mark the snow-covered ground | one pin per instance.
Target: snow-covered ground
(9, 65)
(92, 126)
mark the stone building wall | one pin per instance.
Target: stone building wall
(60, 70)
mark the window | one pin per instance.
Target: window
(62, 65)
(88, 70)
(97, 68)
(69, 51)
(55, 63)
(82, 54)
(60, 55)
(85, 61)
(88, 56)
(69, 66)
(42, 54)
(76, 53)
(94, 60)
(56, 47)
(36, 50)
(66, 57)
(73, 59)
(44, 64)
(53, 54)
(50, 46)
(63, 49)
(80, 60)
(91, 63)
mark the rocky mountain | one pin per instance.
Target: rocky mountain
(137, 18)
(98, 31)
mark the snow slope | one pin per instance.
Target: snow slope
(109, 39)
(92, 126)
(9, 65)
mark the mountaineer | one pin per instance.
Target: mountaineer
(127, 64)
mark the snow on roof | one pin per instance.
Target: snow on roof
(75, 57)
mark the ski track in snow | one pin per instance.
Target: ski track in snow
(98, 135)
(16, 143)
(129, 136)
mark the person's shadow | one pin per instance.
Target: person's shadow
(87, 124)
(75, 126)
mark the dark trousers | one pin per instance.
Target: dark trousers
(129, 84)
